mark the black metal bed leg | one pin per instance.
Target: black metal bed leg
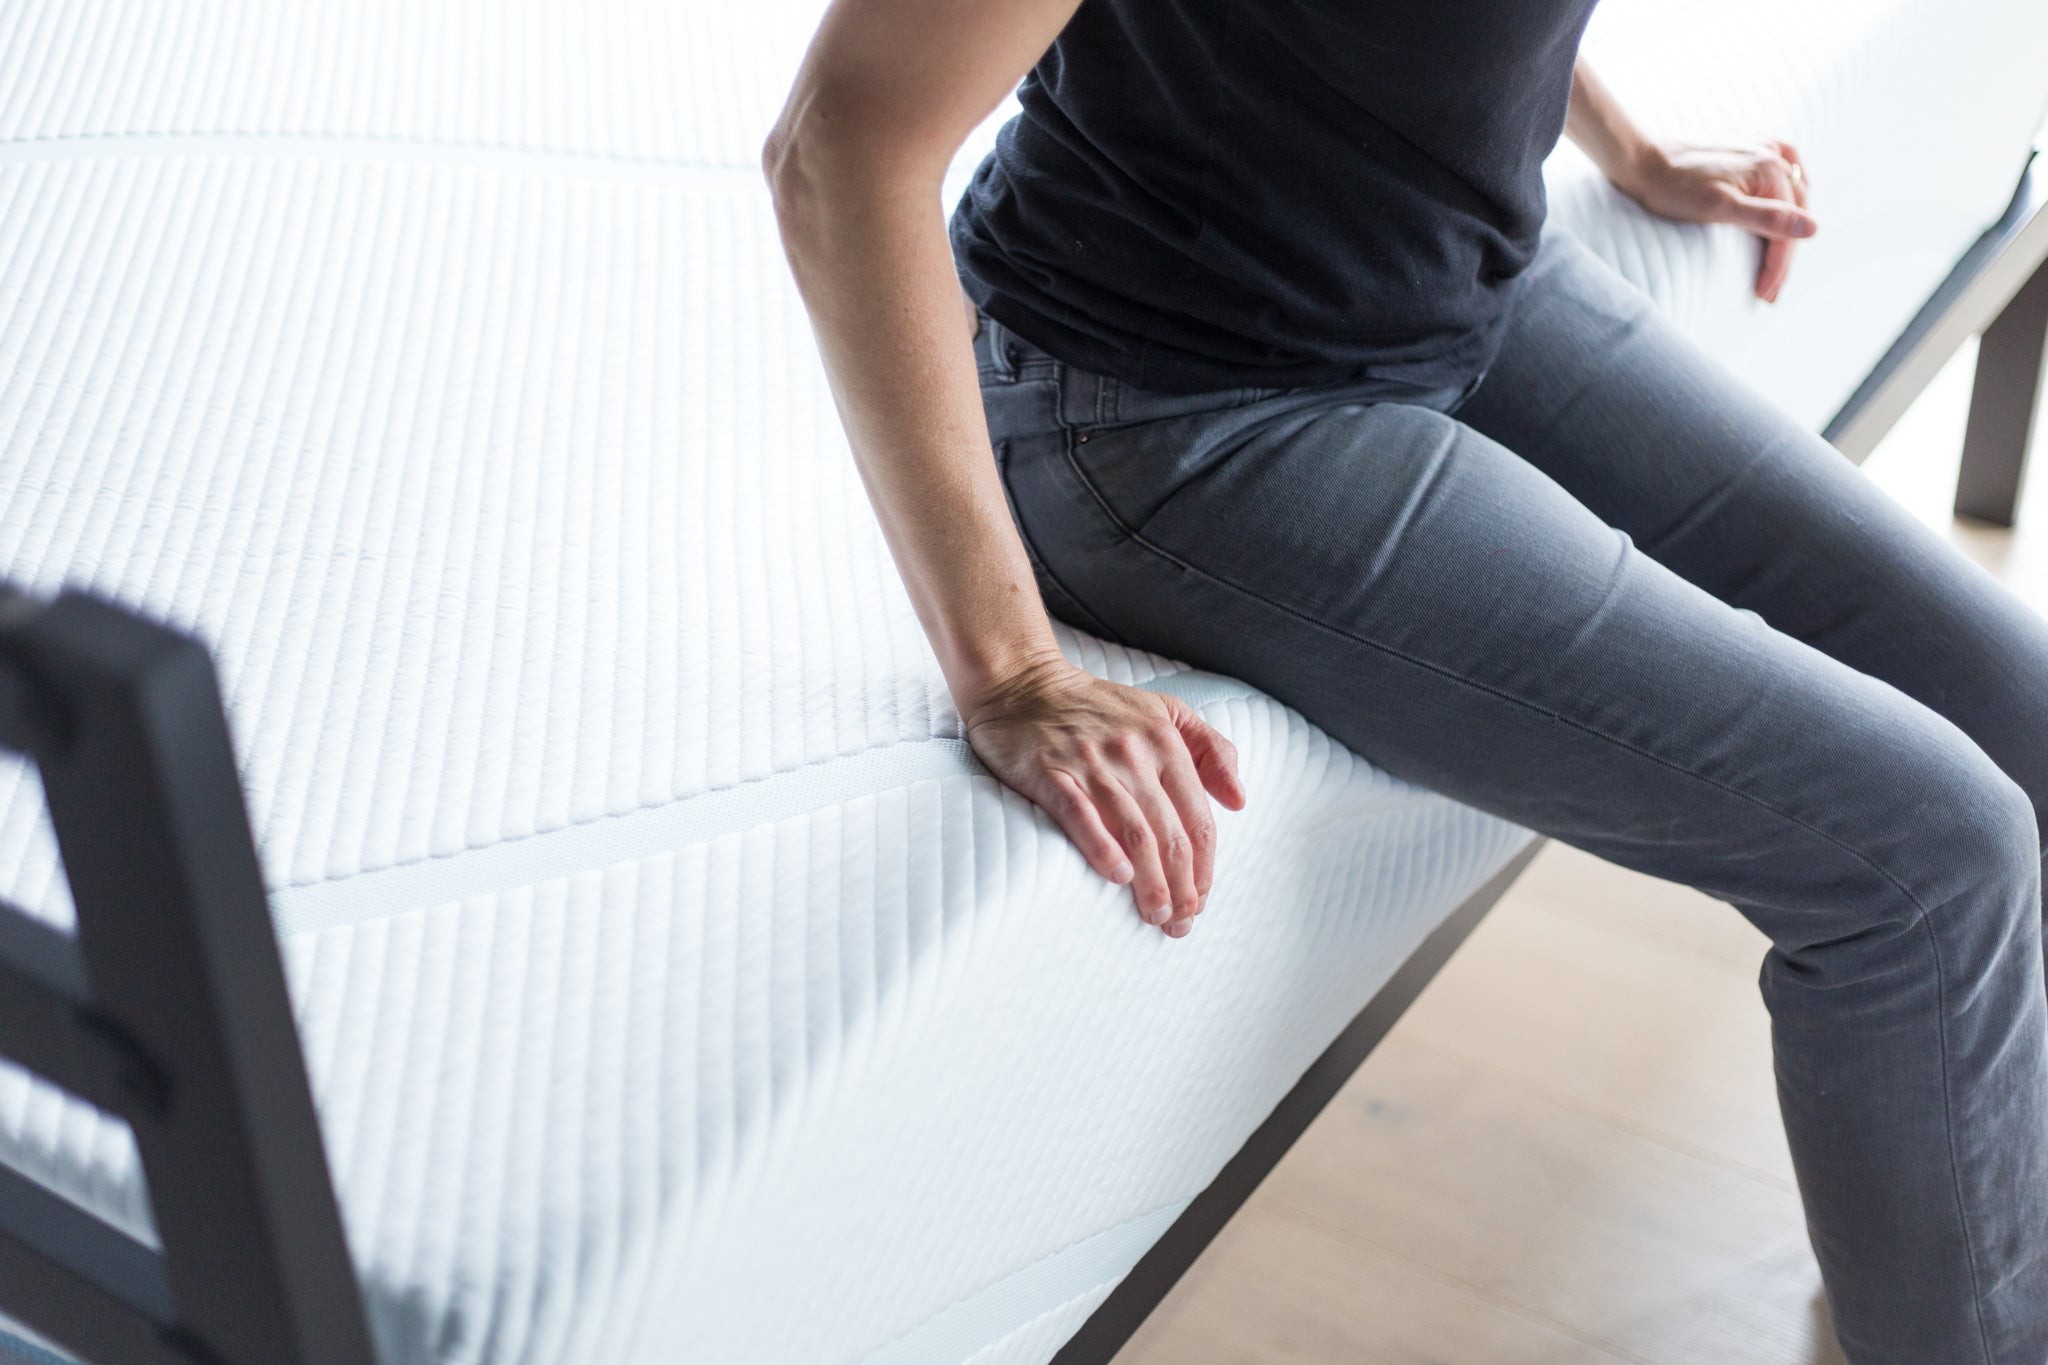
(2005, 407)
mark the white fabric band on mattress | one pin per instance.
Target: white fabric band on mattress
(561, 852)
(955, 1333)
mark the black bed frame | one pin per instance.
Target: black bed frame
(168, 1008)
(1997, 292)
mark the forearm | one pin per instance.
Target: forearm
(1605, 132)
(867, 243)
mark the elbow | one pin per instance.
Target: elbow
(822, 173)
(776, 161)
(778, 165)
(799, 183)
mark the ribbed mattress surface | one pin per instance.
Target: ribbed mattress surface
(674, 986)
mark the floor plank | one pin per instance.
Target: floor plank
(1393, 1313)
(1661, 916)
(1573, 1219)
(1663, 1045)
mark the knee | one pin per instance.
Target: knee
(1955, 850)
(1975, 850)
(2002, 812)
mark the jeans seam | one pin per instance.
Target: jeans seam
(1926, 916)
(1948, 1113)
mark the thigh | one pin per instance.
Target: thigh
(1596, 389)
(1453, 614)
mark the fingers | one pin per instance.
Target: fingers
(1077, 816)
(1766, 216)
(1131, 826)
(1215, 758)
(1772, 267)
(1796, 172)
(1779, 221)
(1183, 788)
(1175, 848)
(1158, 809)
(1202, 765)
(1791, 156)
(1787, 182)
(1133, 797)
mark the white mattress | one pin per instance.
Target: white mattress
(673, 986)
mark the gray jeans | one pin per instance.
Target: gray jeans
(1613, 595)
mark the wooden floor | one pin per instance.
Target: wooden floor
(1569, 1150)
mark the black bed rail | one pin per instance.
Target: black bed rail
(168, 1010)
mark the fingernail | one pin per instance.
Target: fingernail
(1120, 874)
(1158, 914)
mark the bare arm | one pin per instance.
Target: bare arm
(885, 96)
(1758, 185)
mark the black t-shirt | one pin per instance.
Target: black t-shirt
(1205, 194)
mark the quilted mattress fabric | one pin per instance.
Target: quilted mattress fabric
(673, 986)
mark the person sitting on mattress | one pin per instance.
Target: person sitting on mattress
(1269, 363)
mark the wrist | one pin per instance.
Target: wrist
(979, 676)
(1638, 165)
